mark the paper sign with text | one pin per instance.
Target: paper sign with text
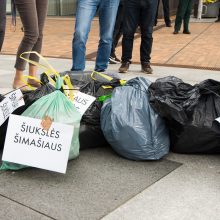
(29, 144)
(11, 102)
(218, 119)
(82, 101)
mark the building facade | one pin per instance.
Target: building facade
(68, 7)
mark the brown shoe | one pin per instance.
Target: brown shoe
(124, 67)
(146, 68)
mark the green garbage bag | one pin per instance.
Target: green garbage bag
(58, 107)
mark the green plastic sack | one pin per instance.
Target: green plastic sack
(58, 107)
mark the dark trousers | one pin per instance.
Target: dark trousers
(117, 29)
(219, 15)
(2, 21)
(33, 14)
(183, 13)
(166, 11)
(140, 12)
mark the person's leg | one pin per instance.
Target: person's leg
(41, 7)
(2, 22)
(180, 15)
(28, 14)
(117, 30)
(107, 16)
(86, 10)
(148, 11)
(166, 11)
(218, 20)
(130, 22)
(187, 16)
(155, 21)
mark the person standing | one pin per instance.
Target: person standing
(218, 20)
(86, 10)
(136, 12)
(2, 22)
(183, 14)
(33, 15)
(166, 12)
(117, 33)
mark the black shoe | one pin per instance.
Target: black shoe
(186, 32)
(176, 32)
(124, 67)
(99, 71)
(146, 68)
(218, 20)
(114, 60)
(168, 25)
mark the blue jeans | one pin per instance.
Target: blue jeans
(86, 10)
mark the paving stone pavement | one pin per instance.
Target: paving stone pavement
(200, 49)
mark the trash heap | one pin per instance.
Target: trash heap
(140, 120)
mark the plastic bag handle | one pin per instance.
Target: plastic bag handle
(48, 70)
(24, 77)
(67, 80)
(109, 78)
(102, 75)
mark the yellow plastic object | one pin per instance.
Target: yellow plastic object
(25, 81)
(209, 1)
(108, 78)
(49, 70)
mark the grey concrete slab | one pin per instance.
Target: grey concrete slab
(188, 75)
(188, 193)
(96, 183)
(11, 210)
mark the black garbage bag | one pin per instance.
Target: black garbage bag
(29, 98)
(83, 82)
(85, 76)
(90, 133)
(1, 97)
(91, 136)
(172, 98)
(190, 115)
(96, 89)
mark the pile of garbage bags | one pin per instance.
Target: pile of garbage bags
(140, 120)
(52, 101)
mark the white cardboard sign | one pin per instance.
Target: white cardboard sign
(29, 144)
(218, 119)
(11, 102)
(82, 101)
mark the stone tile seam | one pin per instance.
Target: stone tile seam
(188, 44)
(28, 207)
(180, 165)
